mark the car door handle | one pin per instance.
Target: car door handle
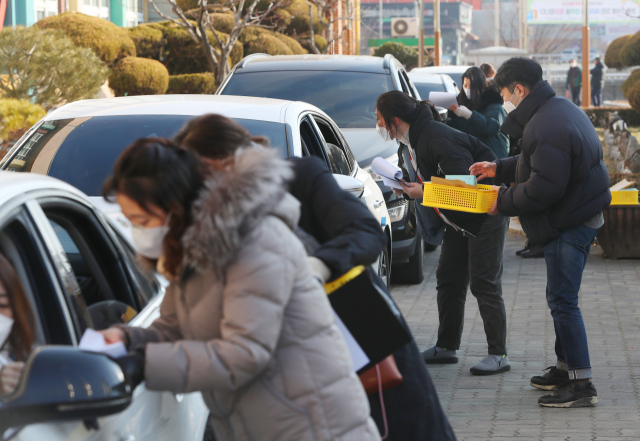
(377, 203)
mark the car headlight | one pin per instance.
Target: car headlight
(397, 210)
(393, 159)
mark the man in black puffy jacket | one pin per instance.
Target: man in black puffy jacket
(561, 187)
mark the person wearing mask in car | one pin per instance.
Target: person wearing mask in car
(489, 72)
(471, 253)
(561, 187)
(574, 81)
(16, 327)
(243, 319)
(345, 235)
(480, 112)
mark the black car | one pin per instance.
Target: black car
(346, 88)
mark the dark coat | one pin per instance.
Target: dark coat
(442, 150)
(561, 181)
(596, 76)
(348, 233)
(485, 123)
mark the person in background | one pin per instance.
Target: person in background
(597, 74)
(348, 235)
(480, 112)
(16, 327)
(574, 81)
(473, 244)
(561, 187)
(243, 320)
(489, 71)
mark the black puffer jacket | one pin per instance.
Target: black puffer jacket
(561, 181)
(442, 150)
(348, 233)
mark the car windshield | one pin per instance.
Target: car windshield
(425, 88)
(82, 151)
(349, 98)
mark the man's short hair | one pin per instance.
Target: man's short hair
(518, 70)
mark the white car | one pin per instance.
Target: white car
(79, 142)
(427, 83)
(455, 72)
(78, 273)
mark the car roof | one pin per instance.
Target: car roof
(348, 63)
(14, 184)
(262, 109)
(440, 69)
(418, 77)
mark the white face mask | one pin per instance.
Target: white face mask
(467, 92)
(509, 106)
(6, 325)
(384, 133)
(148, 241)
(574, 64)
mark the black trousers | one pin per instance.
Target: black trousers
(413, 409)
(575, 95)
(475, 262)
(596, 96)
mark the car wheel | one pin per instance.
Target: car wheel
(384, 269)
(428, 247)
(411, 272)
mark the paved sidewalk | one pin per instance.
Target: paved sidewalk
(504, 407)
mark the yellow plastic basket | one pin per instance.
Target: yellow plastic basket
(628, 197)
(459, 199)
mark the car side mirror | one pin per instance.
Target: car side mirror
(61, 383)
(352, 185)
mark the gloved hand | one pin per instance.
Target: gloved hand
(319, 270)
(132, 366)
(463, 112)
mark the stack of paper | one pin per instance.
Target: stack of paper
(391, 175)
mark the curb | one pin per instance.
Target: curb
(515, 227)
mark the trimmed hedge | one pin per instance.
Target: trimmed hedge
(148, 39)
(321, 42)
(633, 96)
(405, 55)
(268, 44)
(631, 81)
(222, 22)
(612, 56)
(629, 54)
(293, 44)
(299, 24)
(16, 116)
(597, 114)
(138, 76)
(110, 42)
(202, 83)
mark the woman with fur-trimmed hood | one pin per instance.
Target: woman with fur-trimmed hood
(480, 112)
(243, 321)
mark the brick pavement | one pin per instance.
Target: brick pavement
(504, 407)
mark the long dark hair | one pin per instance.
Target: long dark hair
(21, 337)
(478, 83)
(158, 172)
(215, 136)
(397, 104)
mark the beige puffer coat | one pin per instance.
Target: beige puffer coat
(248, 325)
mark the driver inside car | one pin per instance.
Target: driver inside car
(16, 327)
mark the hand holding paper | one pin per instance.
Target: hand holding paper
(443, 99)
(93, 341)
(391, 175)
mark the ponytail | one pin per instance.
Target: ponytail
(397, 104)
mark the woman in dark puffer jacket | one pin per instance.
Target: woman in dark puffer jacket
(480, 112)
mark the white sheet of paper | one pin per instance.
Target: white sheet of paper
(93, 341)
(358, 357)
(443, 99)
(388, 172)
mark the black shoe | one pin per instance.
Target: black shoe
(534, 251)
(526, 247)
(571, 394)
(552, 379)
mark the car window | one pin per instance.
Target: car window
(341, 159)
(82, 151)
(103, 290)
(424, 89)
(19, 243)
(312, 143)
(406, 80)
(349, 98)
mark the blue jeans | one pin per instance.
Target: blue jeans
(566, 257)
